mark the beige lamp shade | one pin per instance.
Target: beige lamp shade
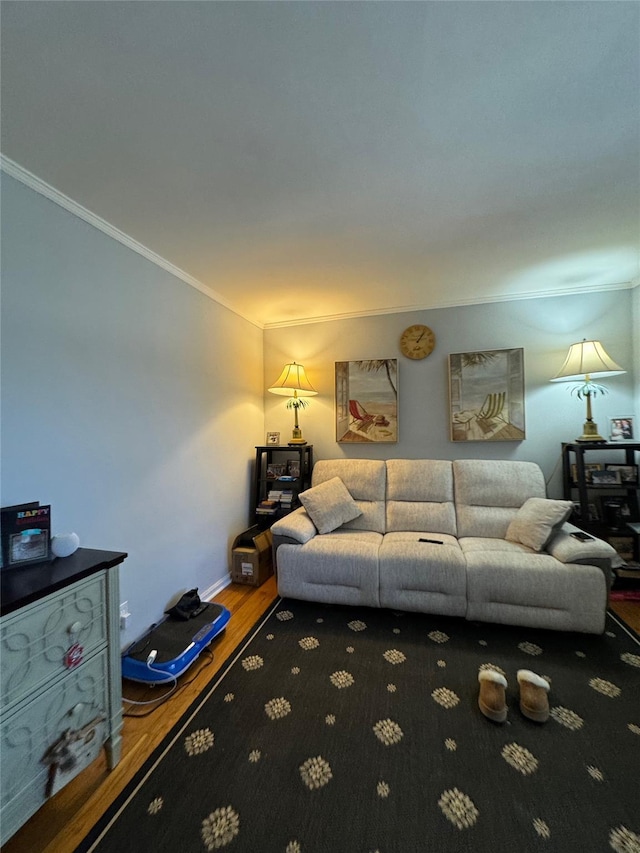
(588, 358)
(293, 382)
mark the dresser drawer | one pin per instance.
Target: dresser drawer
(35, 641)
(30, 731)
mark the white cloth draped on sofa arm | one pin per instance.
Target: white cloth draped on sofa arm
(594, 551)
(296, 526)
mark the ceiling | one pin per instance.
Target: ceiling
(311, 160)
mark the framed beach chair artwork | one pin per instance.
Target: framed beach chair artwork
(367, 401)
(486, 395)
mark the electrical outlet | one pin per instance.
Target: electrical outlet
(124, 615)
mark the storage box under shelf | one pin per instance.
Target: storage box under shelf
(251, 559)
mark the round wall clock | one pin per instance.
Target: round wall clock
(417, 341)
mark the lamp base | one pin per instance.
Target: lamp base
(296, 434)
(591, 434)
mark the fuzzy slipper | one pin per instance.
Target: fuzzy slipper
(534, 701)
(492, 700)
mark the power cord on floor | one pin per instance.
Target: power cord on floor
(160, 700)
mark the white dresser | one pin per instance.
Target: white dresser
(60, 677)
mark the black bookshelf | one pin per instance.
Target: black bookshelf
(279, 468)
(610, 511)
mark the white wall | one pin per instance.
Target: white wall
(544, 327)
(635, 321)
(121, 406)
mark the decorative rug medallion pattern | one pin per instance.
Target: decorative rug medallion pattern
(358, 730)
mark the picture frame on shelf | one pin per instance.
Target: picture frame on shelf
(486, 395)
(628, 473)
(273, 438)
(589, 468)
(293, 468)
(622, 428)
(606, 477)
(276, 470)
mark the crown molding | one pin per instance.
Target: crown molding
(21, 174)
(15, 170)
(459, 303)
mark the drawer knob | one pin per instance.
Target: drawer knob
(75, 628)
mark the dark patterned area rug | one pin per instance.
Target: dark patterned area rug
(358, 730)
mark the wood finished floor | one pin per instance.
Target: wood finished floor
(61, 824)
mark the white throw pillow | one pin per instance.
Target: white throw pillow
(329, 505)
(537, 520)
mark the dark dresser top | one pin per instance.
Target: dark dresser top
(21, 585)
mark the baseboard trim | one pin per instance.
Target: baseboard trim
(210, 593)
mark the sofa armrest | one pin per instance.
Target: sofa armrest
(295, 527)
(593, 552)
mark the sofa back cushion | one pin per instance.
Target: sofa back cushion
(420, 496)
(488, 494)
(365, 480)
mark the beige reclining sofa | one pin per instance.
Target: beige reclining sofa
(471, 538)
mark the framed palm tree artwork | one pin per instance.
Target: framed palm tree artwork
(367, 401)
(486, 395)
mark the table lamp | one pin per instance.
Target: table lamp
(293, 383)
(584, 362)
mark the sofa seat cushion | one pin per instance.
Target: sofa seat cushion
(346, 534)
(471, 544)
(337, 568)
(410, 537)
(536, 522)
(423, 576)
(528, 588)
